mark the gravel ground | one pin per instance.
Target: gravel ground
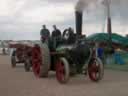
(16, 82)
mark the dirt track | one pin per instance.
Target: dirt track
(16, 82)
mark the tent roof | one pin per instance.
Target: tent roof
(104, 37)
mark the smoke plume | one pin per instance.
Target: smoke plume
(84, 4)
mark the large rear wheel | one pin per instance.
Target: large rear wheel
(95, 69)
(40, 60)
(62, 70)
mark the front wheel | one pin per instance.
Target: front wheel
(95, 69)
(13, 61)
(62, 70)
(27, 65)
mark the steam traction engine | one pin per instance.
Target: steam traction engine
(21, 53)
(66, 59)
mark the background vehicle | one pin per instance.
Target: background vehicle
(21, 53)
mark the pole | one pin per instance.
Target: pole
(109, 28)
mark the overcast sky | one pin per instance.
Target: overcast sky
(22, 19)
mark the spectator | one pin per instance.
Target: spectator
(100, 52)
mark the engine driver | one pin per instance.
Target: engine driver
(45, 34)
(56, 36)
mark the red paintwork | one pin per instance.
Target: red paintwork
(93, 71)
(36, 60)
(60, 71)
(21, 50)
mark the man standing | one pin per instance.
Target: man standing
(45, 34)
(56, 36)
(100, 52)
(56, 32)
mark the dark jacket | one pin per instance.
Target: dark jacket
(56, 33)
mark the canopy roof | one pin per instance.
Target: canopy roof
(104, 37)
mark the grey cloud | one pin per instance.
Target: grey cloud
(60, 1)
(14, 26)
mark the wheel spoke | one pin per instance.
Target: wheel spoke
(94, 70)
(95, 67)
(37, 68)
(61, 67)
(60, 71)
(94, 75)
(36, 60)
(59, 76)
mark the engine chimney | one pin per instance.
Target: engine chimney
(109, 29)
(79, 19)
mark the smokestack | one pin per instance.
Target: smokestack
(109, 25)
(79, 19)
(80, 6)
(79, 16)
(109, 28)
